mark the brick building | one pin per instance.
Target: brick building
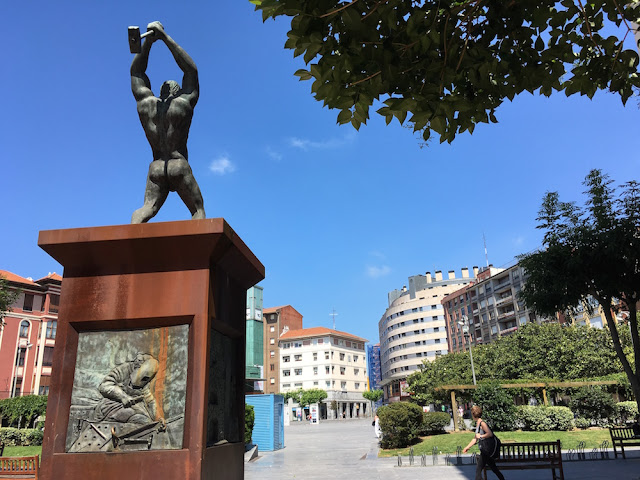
(276, 321)
(27, 335)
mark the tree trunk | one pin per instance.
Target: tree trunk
(634, 378)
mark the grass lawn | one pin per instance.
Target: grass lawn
(448, 442)
(21, 451)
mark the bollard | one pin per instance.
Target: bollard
(447, 460)
(434, 454)
(580, 450)
(474, 458)
(399, 460)
(604, 452)
(570, 454)
(594, 454)
(411, 456)
(459, 455)
(423, 460)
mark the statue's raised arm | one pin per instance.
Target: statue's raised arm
(166, 120)
(190, 88)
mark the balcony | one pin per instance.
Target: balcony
(501, 286)
(503, 300)
(506, 315)
(507, 331)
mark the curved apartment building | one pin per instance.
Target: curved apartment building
(413, 328)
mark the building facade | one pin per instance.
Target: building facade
(413, 328)
(277, 320)
(491, 306)
(254, 354)
(330, 360)
(28, 335)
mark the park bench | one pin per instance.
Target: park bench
(14, 468)
(621, 436)
(530, 455)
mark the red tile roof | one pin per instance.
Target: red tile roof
(317, 332)
(12, 277)
(51, 276)
(274, 309)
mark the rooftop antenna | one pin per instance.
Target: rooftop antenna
(334, 318)
(486, 256)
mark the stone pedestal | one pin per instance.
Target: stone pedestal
(156, 310)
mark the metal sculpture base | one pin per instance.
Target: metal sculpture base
(148, 368)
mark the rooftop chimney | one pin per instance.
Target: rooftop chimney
(475, 271)
(452, 274)
(428, 277)
(465, 272)
(438, 275)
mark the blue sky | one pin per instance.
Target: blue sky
(338, 217)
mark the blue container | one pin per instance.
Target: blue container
(268, 429)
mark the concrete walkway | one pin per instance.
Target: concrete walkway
(347, 450)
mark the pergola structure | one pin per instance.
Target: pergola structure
(544, 386)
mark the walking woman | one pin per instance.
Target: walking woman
(482, 432)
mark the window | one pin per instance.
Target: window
(326, 355)
(286, 358)
(52, 326)
(286, 385)
(326, 370)
(298, 371)
(24, 328)
(272, 367)
(28, 302)
(286, 345)
(286, 373)
(357, 385)
(315, 384)
(315, 356)
(272, 329)
(356, 371)
(298, 357)
(327, 383)
(315, 370)
(343, 385)
(272, 381)
(342, 370)
(355, 358)
(342, 356)
(272, 341)
(43, 390)
(47, 359)
(22, 352)
(272, 354)
(297, 384)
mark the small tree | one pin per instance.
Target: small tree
(497, 404)
(249, 421)
(313, 395)
(400, 423)
(593, 403)
(7, 297)
(373, 396)
(590, 253)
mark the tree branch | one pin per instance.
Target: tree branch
(338, 9)
(365, 79)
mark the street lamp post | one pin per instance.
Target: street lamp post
(465, 331)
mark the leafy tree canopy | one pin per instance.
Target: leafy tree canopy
(373, 395)
(7, 297)
(535, 353)
(305, 397)
(591, 252)
(449, 64)
(27, 407)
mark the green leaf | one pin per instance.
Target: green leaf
(344, 116)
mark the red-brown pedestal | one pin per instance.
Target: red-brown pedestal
(126, 277)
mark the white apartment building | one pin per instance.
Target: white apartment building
(330, 360)
(413, 328)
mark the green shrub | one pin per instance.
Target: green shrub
(626, 411)
(582, 423)
(15, 437)
(249, 420)
(497, 404)
(593, 403)
(434, 422)
(544, 419)
(400, 423)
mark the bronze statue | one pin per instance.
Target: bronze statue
(166, 121)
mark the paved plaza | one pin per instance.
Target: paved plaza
(347, 450)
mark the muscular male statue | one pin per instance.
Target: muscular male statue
(166, 121)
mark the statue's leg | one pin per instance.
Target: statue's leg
(185, 184)
(154, 195)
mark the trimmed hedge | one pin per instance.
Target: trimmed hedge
(434, 422)
(544, 419)
(582, 423)
(400, 423)
(626, 411)
(249, 421)
(20, 437)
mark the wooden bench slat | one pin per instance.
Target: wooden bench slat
(19, 467)
(621, 436)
